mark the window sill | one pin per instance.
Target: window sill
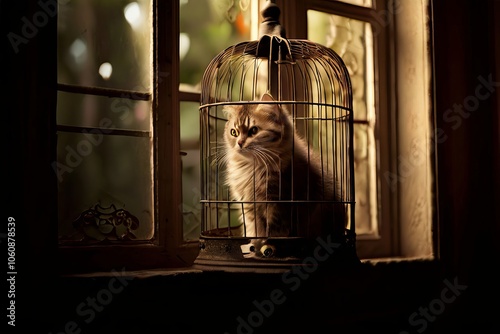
(381, 292)
(188, 271)
(398, 259)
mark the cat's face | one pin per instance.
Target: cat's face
(253, 129)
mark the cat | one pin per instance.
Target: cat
(269, 165)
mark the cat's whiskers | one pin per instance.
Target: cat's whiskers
(270, 156)
(219, 155)
(264, 158)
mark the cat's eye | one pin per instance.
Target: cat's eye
(253, 130)
(234, 132)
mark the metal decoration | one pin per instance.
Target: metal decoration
(98, 224)
(313, 83)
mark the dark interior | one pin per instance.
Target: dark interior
(458, 291)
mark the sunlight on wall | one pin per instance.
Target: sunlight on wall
(414, 122)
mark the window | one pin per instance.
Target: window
(127, 159)
(104, 118)
(355, 39)
(206, 28)
(385, 46)
(114, 120)
(128, 131)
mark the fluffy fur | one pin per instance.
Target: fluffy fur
(268, 166)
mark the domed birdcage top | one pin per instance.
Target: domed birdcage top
(231, 75)
(276, 151)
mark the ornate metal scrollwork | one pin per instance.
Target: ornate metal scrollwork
(107, 223)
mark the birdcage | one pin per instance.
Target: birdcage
(276, 154)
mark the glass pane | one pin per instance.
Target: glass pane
(104, 176)
(105, 43)
(97, 111)
(364, 160)
(191, 192)
(353, 41)
(208, 27)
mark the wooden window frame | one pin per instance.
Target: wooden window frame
(394, 213)
(384, 243)
(168, 249)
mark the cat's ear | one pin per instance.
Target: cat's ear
(228, 110)
(267, 97)
(271, 109)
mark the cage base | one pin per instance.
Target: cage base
(236, 255)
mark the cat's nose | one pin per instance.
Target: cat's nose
(240, 143)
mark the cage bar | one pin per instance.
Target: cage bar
(298, 194)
